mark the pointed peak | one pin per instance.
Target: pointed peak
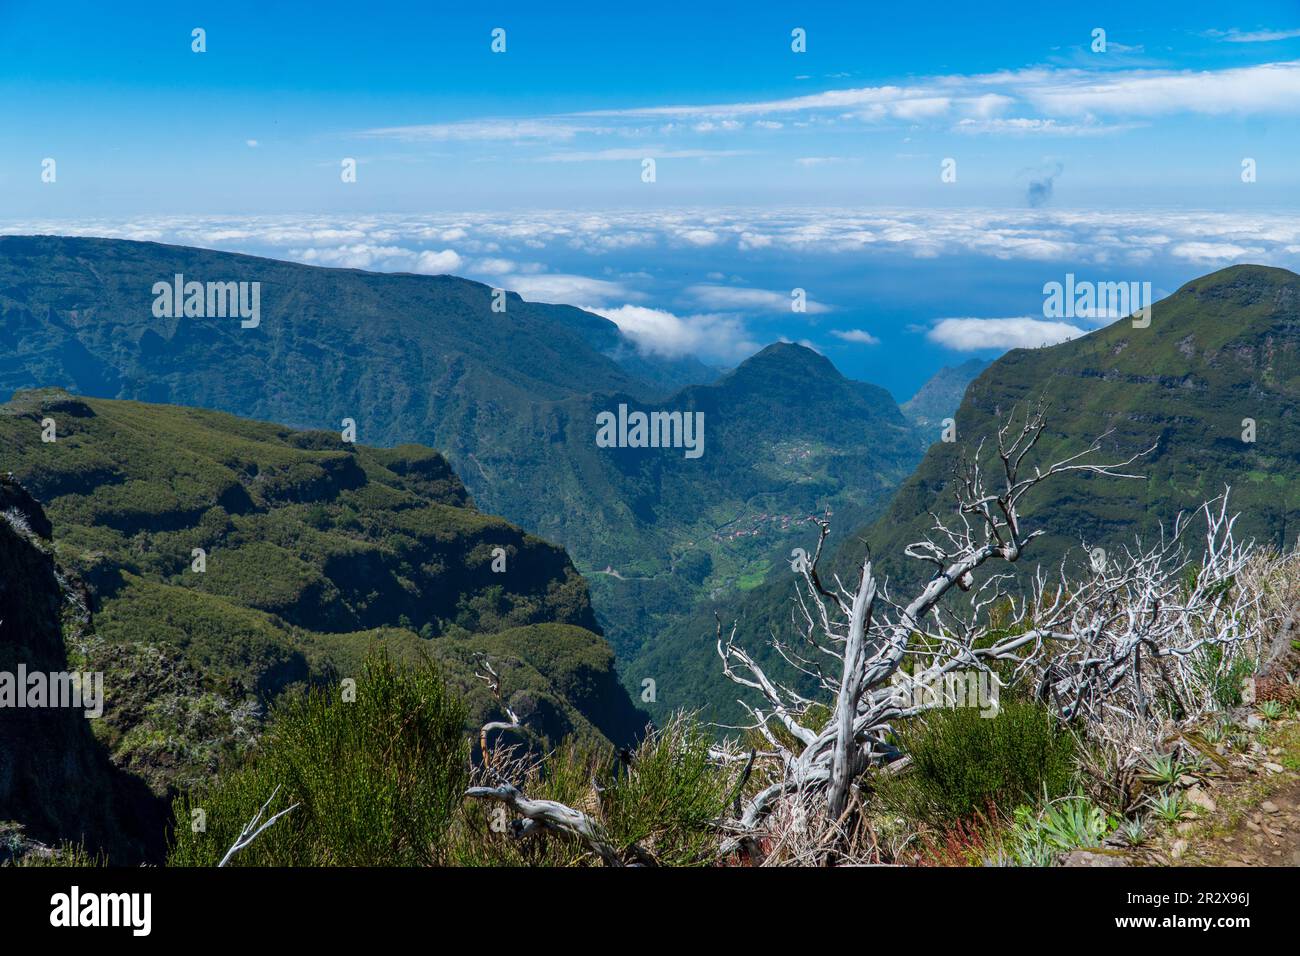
(788, 357)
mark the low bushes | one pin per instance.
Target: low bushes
(963, 763)
(378, 780)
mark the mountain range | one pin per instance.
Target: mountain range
(510, 397)
(664, 540)
(1213, 383)
(939, 397)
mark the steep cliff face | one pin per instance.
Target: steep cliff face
(56, 781)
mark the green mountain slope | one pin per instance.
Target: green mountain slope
(315, 551)
(798, 440)
(1222, 349)
(393, 351)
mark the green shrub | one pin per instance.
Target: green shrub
(1074, 822)
(963, 763)
(1169, 806)
(1038, 838)
(667, 799)
(1226, 683)
(377, 780)
(671, 797)
(1271, 709)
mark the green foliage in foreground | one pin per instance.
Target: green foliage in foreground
(1226, 683)
(667, 798)
(17, 850)
(963, 763)
(380, 782)
(671, 798)
(1036, 838)
(377, 780)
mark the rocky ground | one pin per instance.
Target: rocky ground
(1252, 815)
(1242, 805)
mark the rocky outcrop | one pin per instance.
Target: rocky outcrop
(56, 782)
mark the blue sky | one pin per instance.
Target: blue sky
(774, 169)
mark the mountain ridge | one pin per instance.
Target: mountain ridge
(941, 394)
(1187, 395)
(1222, 350)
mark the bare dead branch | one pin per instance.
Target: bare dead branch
(251, 830)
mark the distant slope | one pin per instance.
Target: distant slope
(797, 440)
(316, 550)
(939, 397)
(786, 437)
(1222, 349)
(397, 352)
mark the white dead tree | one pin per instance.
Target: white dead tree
(854, 642)
(1153, 633)
(549, 816)
(493, 681)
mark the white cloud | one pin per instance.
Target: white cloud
(701, 237)
(1056, 92)
(567, 289)
(1256, 36)
(710, 126)
(731, 298)
(660, 332)
(1269, 87)
(493, 267)
(1039, 100)
(1222, 252)
(638, 154)
(906, 101)
(358, 256)
(481, 130)
(523, 243)
(921, 107)
(390, 258)
(973, 335)
(437, 263)
(1026, 126)
(860, 336)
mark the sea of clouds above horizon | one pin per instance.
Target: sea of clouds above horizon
(716, 284)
